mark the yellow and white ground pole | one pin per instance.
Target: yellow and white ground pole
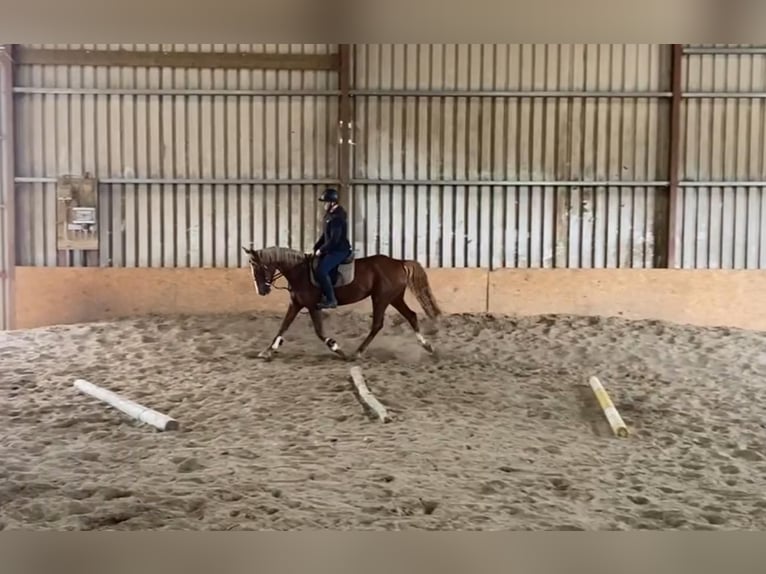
(610, 411)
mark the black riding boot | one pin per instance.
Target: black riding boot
(327, 302)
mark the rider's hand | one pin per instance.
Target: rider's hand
(318, 253)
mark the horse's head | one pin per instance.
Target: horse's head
(263, 274)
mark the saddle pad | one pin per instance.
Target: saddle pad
(340, 277)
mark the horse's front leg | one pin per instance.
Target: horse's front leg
(292, 313)
(316, 319)
(378, 316)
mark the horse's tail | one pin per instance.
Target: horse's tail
(417, 282)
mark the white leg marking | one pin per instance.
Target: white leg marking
(332, 344)
(421, 338)
(277, 342)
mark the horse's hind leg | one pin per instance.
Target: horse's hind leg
(292, 313)
(412, 318)
(316, 319)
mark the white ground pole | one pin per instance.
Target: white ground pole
(130, 408)
(612, 416)
(366, 396)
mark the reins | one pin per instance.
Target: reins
(279, 275)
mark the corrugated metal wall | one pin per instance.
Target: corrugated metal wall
(721, 217)
(510, 155)
(186, 178)
(538, 114)
(463, 155)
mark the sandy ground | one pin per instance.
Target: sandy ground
(501, 432)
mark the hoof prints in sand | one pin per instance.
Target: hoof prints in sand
(500, 432)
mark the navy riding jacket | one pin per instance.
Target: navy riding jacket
(335, 236)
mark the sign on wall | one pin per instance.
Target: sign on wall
(76, 213)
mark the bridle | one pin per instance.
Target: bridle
(278, 275)
(269, 284)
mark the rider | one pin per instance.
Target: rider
(333, 247)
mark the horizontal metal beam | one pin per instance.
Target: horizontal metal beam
(729, 95)
(382, 93)
(723, 184)
(170, 92)
(189, 181)
(738, 50)
(151, 59)
(507, 94)
(356, 93)
(405, 182)
(507, 183)
(522, 183)
(374, 93)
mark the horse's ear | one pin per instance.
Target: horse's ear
(246, 250)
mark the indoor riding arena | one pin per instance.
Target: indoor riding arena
(591, 220)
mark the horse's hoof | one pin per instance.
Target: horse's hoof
(334, 347)
(265, 355)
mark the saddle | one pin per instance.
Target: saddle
(341, 276)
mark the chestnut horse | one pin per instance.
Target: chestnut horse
(380, 277)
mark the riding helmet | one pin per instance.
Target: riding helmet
(330, 195)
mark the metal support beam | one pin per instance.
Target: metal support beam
(7, 191)
(674, 153)
(345, 119)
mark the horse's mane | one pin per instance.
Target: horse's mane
(271, 255)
